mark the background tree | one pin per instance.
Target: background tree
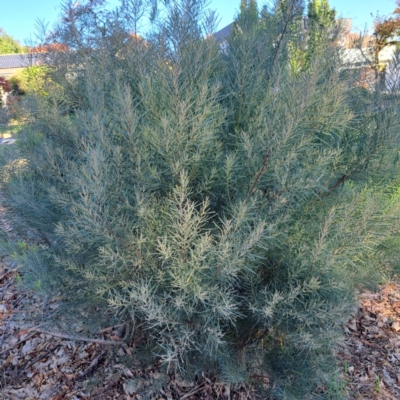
(313, 31)
(32, 79)
(219, 204)
(321, 20)
(8, 45)
(387, 30)
(320, 15)
(386, 33)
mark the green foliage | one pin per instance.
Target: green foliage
(31, 80)
(248, 14)
(8, 45)
(223, 205)
(320, 15)
(317, 30)
(321, 19)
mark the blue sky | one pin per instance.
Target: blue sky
(17, 17)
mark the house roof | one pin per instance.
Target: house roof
(222, 34)
(18, 60)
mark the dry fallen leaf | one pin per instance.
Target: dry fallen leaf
(396, 326)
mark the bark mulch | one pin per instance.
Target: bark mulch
(371, 352)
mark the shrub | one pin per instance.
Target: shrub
(31, 80)
(219, 202)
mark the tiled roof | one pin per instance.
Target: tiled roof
(17, 60)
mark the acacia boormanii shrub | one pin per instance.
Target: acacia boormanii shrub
(223, 204)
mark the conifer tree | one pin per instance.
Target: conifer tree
(220, 204)
(321, 20)
(316, 30)
(320, 14)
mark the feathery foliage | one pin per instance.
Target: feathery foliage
(221, 203)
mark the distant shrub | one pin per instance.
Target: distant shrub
(31, 80)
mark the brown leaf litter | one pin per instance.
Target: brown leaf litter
(36, 364)
(371, 352)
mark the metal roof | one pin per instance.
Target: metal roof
(18, 60)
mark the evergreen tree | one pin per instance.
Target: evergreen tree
(8, 45)
(320, 14)
(314, 31)
(321, 20)
(219, 203)
(248, 14)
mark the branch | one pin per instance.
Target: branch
(192, 392)
(338, 182)
(282, 35)
(266, 158)
(17, 343)
(273, 63)
(80, 339)
(37, 359)
(92, 365)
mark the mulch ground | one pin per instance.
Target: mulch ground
(37, 364)
(371, 354)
